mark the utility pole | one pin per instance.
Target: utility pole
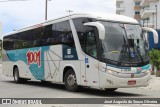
(69, 11)
(156, 15)
(46, 9)
(153, 21)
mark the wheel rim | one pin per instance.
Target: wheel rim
(16, 75)
(71, 80)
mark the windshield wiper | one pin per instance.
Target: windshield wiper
(125, 42)
(137, 50)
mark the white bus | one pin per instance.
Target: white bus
(98, 51)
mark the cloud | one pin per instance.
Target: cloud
(15, 15)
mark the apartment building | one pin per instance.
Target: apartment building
(147, 12)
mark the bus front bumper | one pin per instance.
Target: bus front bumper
(110, 81)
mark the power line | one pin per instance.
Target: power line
(12, 0)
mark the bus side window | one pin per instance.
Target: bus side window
(17, 43)
(8, 43)
(30, 38)
(67, 39)
(82, 40)
(47, 36)
(63, 34)
(82, 32)
(91, 48)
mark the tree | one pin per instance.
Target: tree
(155, 60)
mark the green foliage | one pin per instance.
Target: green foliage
(155, 58)
(0, 54)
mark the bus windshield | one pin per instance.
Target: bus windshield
(124, 43)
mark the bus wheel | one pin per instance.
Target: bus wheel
(111, 89)
(17, 79)
(70, 80)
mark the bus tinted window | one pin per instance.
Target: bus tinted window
(16, 41)
(58, 33)
(31, 38)
(63, 34)
(82, 30)
(8, 43)
(47, 36)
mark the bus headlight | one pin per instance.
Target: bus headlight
(105, 70)
(110, 71)
(148, 72)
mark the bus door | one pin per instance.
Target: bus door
(91, 62)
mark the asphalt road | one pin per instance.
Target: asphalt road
(36, 89)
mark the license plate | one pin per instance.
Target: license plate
(132, 82)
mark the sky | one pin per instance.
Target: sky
(18, 14)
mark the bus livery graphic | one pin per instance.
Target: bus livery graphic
(34, 57)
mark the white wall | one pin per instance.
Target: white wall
(0, 30)
(129, 8)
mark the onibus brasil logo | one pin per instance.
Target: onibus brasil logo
(34, 57)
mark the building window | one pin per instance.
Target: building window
(137, 13)
(137, 3)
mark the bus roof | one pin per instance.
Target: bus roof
(107, 17)
(98, 16)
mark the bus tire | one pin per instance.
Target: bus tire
(111, 89)
(70, 80)
(17, 79)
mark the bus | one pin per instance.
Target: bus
(105, 51)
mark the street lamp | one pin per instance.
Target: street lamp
(69, 11)
(46, 9)
(147, 21)
(156, 15)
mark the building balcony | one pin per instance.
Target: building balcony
(137, 0)
(118, 2)
(148, 24)
(137, 7)
(137, 17)
(118, 12)
(119, 9)
(147, 2)
(146, 12)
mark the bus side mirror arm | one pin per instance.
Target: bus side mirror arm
(99, 26)
(155, 34)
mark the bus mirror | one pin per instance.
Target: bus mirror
(100, 27)
(155, 34)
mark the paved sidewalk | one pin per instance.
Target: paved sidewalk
(154, 84)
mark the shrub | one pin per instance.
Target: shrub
(155, 58)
